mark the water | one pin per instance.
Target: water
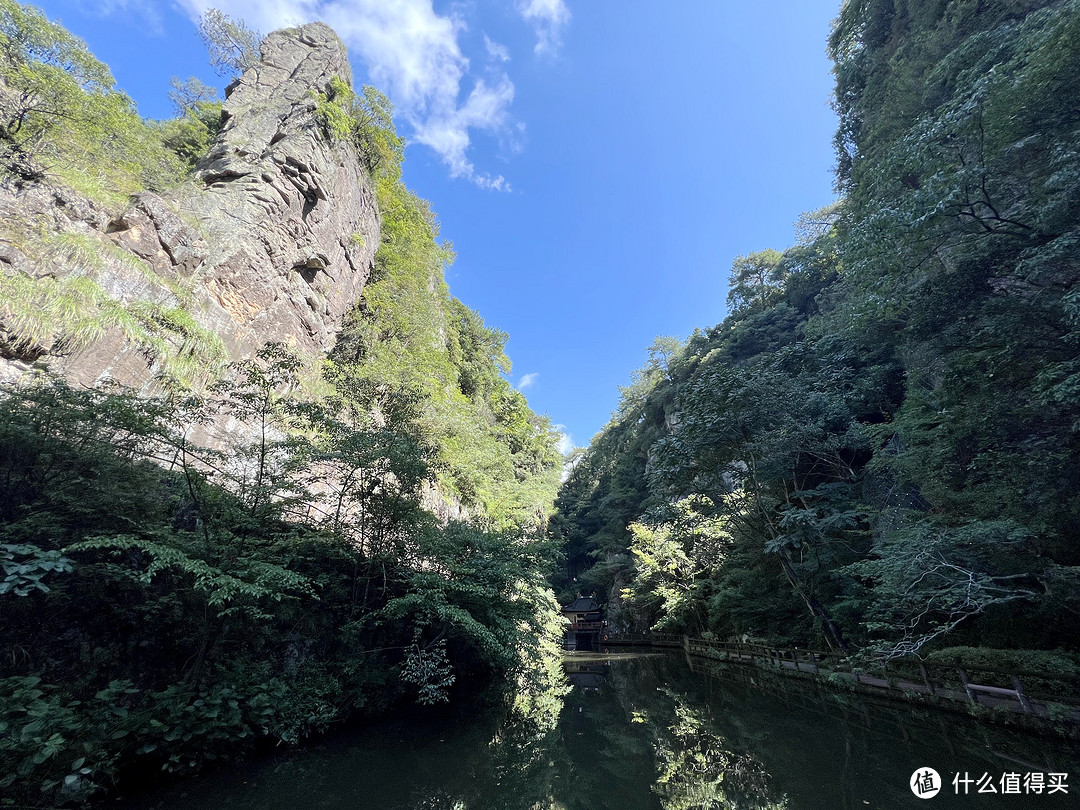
(644, 732)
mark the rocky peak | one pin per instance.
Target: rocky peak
(276, 237)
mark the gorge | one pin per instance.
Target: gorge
(262, 477)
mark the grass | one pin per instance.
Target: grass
(66, 308)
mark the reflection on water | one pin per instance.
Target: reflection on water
(645, 731)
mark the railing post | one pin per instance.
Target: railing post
(926, 680)
(967, 686)
(1024, 702)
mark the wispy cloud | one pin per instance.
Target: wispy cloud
(527, 380)
(566, 443)
(412, 53)
(548, 19)
(446, 130)
(499, 53)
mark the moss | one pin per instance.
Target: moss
(1059, 662)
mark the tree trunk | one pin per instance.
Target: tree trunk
(834, 636)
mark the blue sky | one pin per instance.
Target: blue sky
(598, 164)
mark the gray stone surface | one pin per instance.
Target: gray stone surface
(264, 236)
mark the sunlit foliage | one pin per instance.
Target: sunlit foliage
(885, 425)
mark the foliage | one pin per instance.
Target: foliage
(60, 114)
(61, 117)
(175, 594)
(885, 424)
(430, 670)
(928, 580)
(410, 339)
(540, 682)
(674, 557)
(168, 605)
(1066, 664)
(756, 281)
(69, 309)
(233, 47)
(198, 119)
(367, 121)
(26, 565)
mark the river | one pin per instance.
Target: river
(645, 732)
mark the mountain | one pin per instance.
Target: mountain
(876, 449)
(272, 240)
(259, 471)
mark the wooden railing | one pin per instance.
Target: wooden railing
(1041, 693)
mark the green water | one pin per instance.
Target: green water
(647, 732)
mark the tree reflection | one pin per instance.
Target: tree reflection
(698, 769)
(646, 733)
(632, 741)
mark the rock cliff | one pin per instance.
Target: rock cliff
(273, 240)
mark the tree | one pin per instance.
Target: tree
(28, 36)
(187, 95)
(232, 45)
(270, 454)
(662, 353)
(60, 114)
(46, 73)
(198, 120)
(367, 120)
(676, 550)
(756, 281)
(929, 579)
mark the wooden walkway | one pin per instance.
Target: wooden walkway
(906, 678)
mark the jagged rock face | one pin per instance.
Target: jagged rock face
(291, 219)
(276, 238)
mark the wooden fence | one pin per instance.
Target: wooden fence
(1042, 694)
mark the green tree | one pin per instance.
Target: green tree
(60, 113)
(197, 122)
(675, 554)
(662, 353)
(188, 94)
(233, 47)
(756, 281)
(367, 120)
(46, 73)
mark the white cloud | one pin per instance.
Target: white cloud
(446, 130)
(527, 380)
(499, 53)
(412, 53)
(548, 18)
(566, 443)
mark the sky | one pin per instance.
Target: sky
(597, 164)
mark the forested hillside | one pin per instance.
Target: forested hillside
(876, 449)
(240, 552)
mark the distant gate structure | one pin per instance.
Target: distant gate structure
(586, 617)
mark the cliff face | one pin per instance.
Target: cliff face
(274, 239)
